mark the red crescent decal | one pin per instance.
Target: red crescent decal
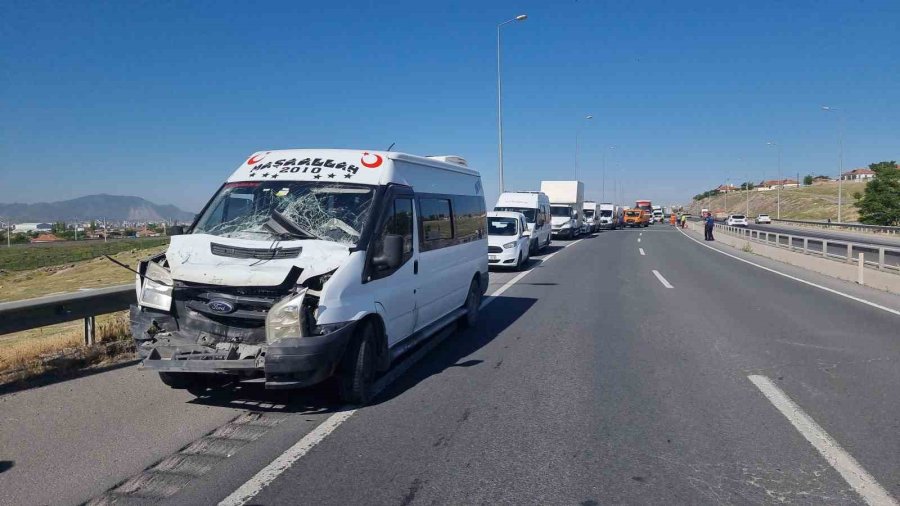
(370, 165)
(256, 158)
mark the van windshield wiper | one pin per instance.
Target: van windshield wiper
(281, 225)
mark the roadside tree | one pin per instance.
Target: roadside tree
(880, 203)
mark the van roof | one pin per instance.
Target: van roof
(504, 214)
(339, 165)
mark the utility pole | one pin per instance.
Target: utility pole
(780, 178)
(841, 128)
(520, 17)
(747, 191)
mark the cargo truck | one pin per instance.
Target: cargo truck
(566, 207)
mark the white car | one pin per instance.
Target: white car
(736, 220)
(763, 218)
(508, 239)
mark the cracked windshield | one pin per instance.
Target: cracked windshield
(414, 253)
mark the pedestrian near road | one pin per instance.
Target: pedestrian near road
(672, 219)
(683, 220)
(708, 229)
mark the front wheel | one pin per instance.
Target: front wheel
(357, 371)
(472, 305)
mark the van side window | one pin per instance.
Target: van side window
(436, 223)
(469, 218)
(399, 221)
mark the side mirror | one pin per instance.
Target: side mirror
(391, 255)
(176, 230)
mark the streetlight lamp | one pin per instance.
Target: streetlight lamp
(520, 17)
(780, 181)
(840, 156)
(577, 133)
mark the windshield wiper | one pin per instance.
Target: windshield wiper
(281, 225)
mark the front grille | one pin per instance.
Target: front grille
(495, 249)
(257, 253)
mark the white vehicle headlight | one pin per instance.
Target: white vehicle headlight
(509, 245)
(283, 319)
(157, 289)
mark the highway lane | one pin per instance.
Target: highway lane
(588, 380)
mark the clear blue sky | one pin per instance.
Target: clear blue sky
(164, 99)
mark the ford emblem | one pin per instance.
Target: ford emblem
(220, 306)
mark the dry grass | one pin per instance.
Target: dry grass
(815, 203)
(95, 273)
(61, 347)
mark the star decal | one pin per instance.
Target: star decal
(274, 176)
(266, 174)
(330, 176)
(253, 174)
(317, 176)
(348, 176)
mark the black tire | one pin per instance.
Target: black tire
(357, 370)
(472, 306)
(519, 262)
(178, 380)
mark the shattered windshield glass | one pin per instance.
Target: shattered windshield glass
(268, 210)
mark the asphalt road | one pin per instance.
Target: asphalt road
(588, 380)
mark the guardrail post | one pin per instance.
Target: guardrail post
(850, 252)
(824, 248)
(860, 269)
(880, 258)
(805, 245)
(89, 331)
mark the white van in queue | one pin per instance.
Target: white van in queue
(508, 240)
(536, 208)
(591, 218)
(312, 263)
(608, 218)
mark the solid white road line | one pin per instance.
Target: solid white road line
(283, 462)
(662, 279)
(642, 251)
(805, 282)
(842, 462)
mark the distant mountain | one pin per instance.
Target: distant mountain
(94, 207)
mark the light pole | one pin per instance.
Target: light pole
(840, 156)
(726, 194)
(780, 181)
(603, 186)
(520, 17)
(577, 133)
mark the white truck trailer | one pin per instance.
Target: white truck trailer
(566, 207)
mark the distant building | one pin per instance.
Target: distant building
(822, 180)
(727, 188)
(858, 175)
(46, 238)
(774, 184)
(27, 228)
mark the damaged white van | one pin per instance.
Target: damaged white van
(308, 264)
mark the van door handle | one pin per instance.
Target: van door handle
(415, 266)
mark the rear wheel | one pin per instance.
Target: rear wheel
(357, 370)
(472, 305)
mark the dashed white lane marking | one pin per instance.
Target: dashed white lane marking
(640, 234)
(283, 462)
(639, 239)
(662, 279)
(642, 251)
(805, 282)
(842, 462)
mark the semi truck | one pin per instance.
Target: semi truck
(566, 207)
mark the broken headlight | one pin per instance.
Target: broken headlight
(157, 289)
(328, 328)
(284, 318)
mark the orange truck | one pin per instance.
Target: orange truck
(635, 217)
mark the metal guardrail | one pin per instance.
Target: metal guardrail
(883, 258)
(33, 313)
(844, 226)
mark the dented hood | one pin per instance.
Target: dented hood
(191, 258)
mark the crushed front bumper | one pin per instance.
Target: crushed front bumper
(290, 363)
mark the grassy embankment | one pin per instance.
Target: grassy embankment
(28, 352)
(814, 203)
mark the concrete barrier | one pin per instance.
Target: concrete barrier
(854, 272)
